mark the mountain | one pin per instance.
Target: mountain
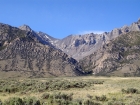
(23, 52)
(120, 57)
(79, 46)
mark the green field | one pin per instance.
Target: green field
(85, 90)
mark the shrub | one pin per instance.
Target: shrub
(90, 102)
(31, 101)
(130, 90)
(89, 96)
(14, 101)
(0, 102)
(62, 96)
(59, 99)
(19, 101)
(101, 98)
(115, 103)
(45, 96)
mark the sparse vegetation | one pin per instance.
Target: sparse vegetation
(15, 86)
(20, 101)
(70, 91)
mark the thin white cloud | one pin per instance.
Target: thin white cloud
(95, 32)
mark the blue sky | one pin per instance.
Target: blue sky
(60, 18)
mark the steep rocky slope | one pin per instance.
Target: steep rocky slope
(119, 57)
(79, 46)
(23, 53)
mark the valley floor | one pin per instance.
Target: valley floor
(85, 90)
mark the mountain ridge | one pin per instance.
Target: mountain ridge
(79, 46)
(43, 54)
(21, 51)
(120, 57)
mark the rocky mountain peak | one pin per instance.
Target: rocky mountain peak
(125, 29)
(134, 27)
(138, 21)
(25, 27)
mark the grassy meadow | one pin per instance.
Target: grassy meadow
(86, 90)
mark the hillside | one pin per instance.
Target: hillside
(119, 57)
(22, 54)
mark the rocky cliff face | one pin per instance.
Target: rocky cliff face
(79, 46)
(119, 57)
(21, 51)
